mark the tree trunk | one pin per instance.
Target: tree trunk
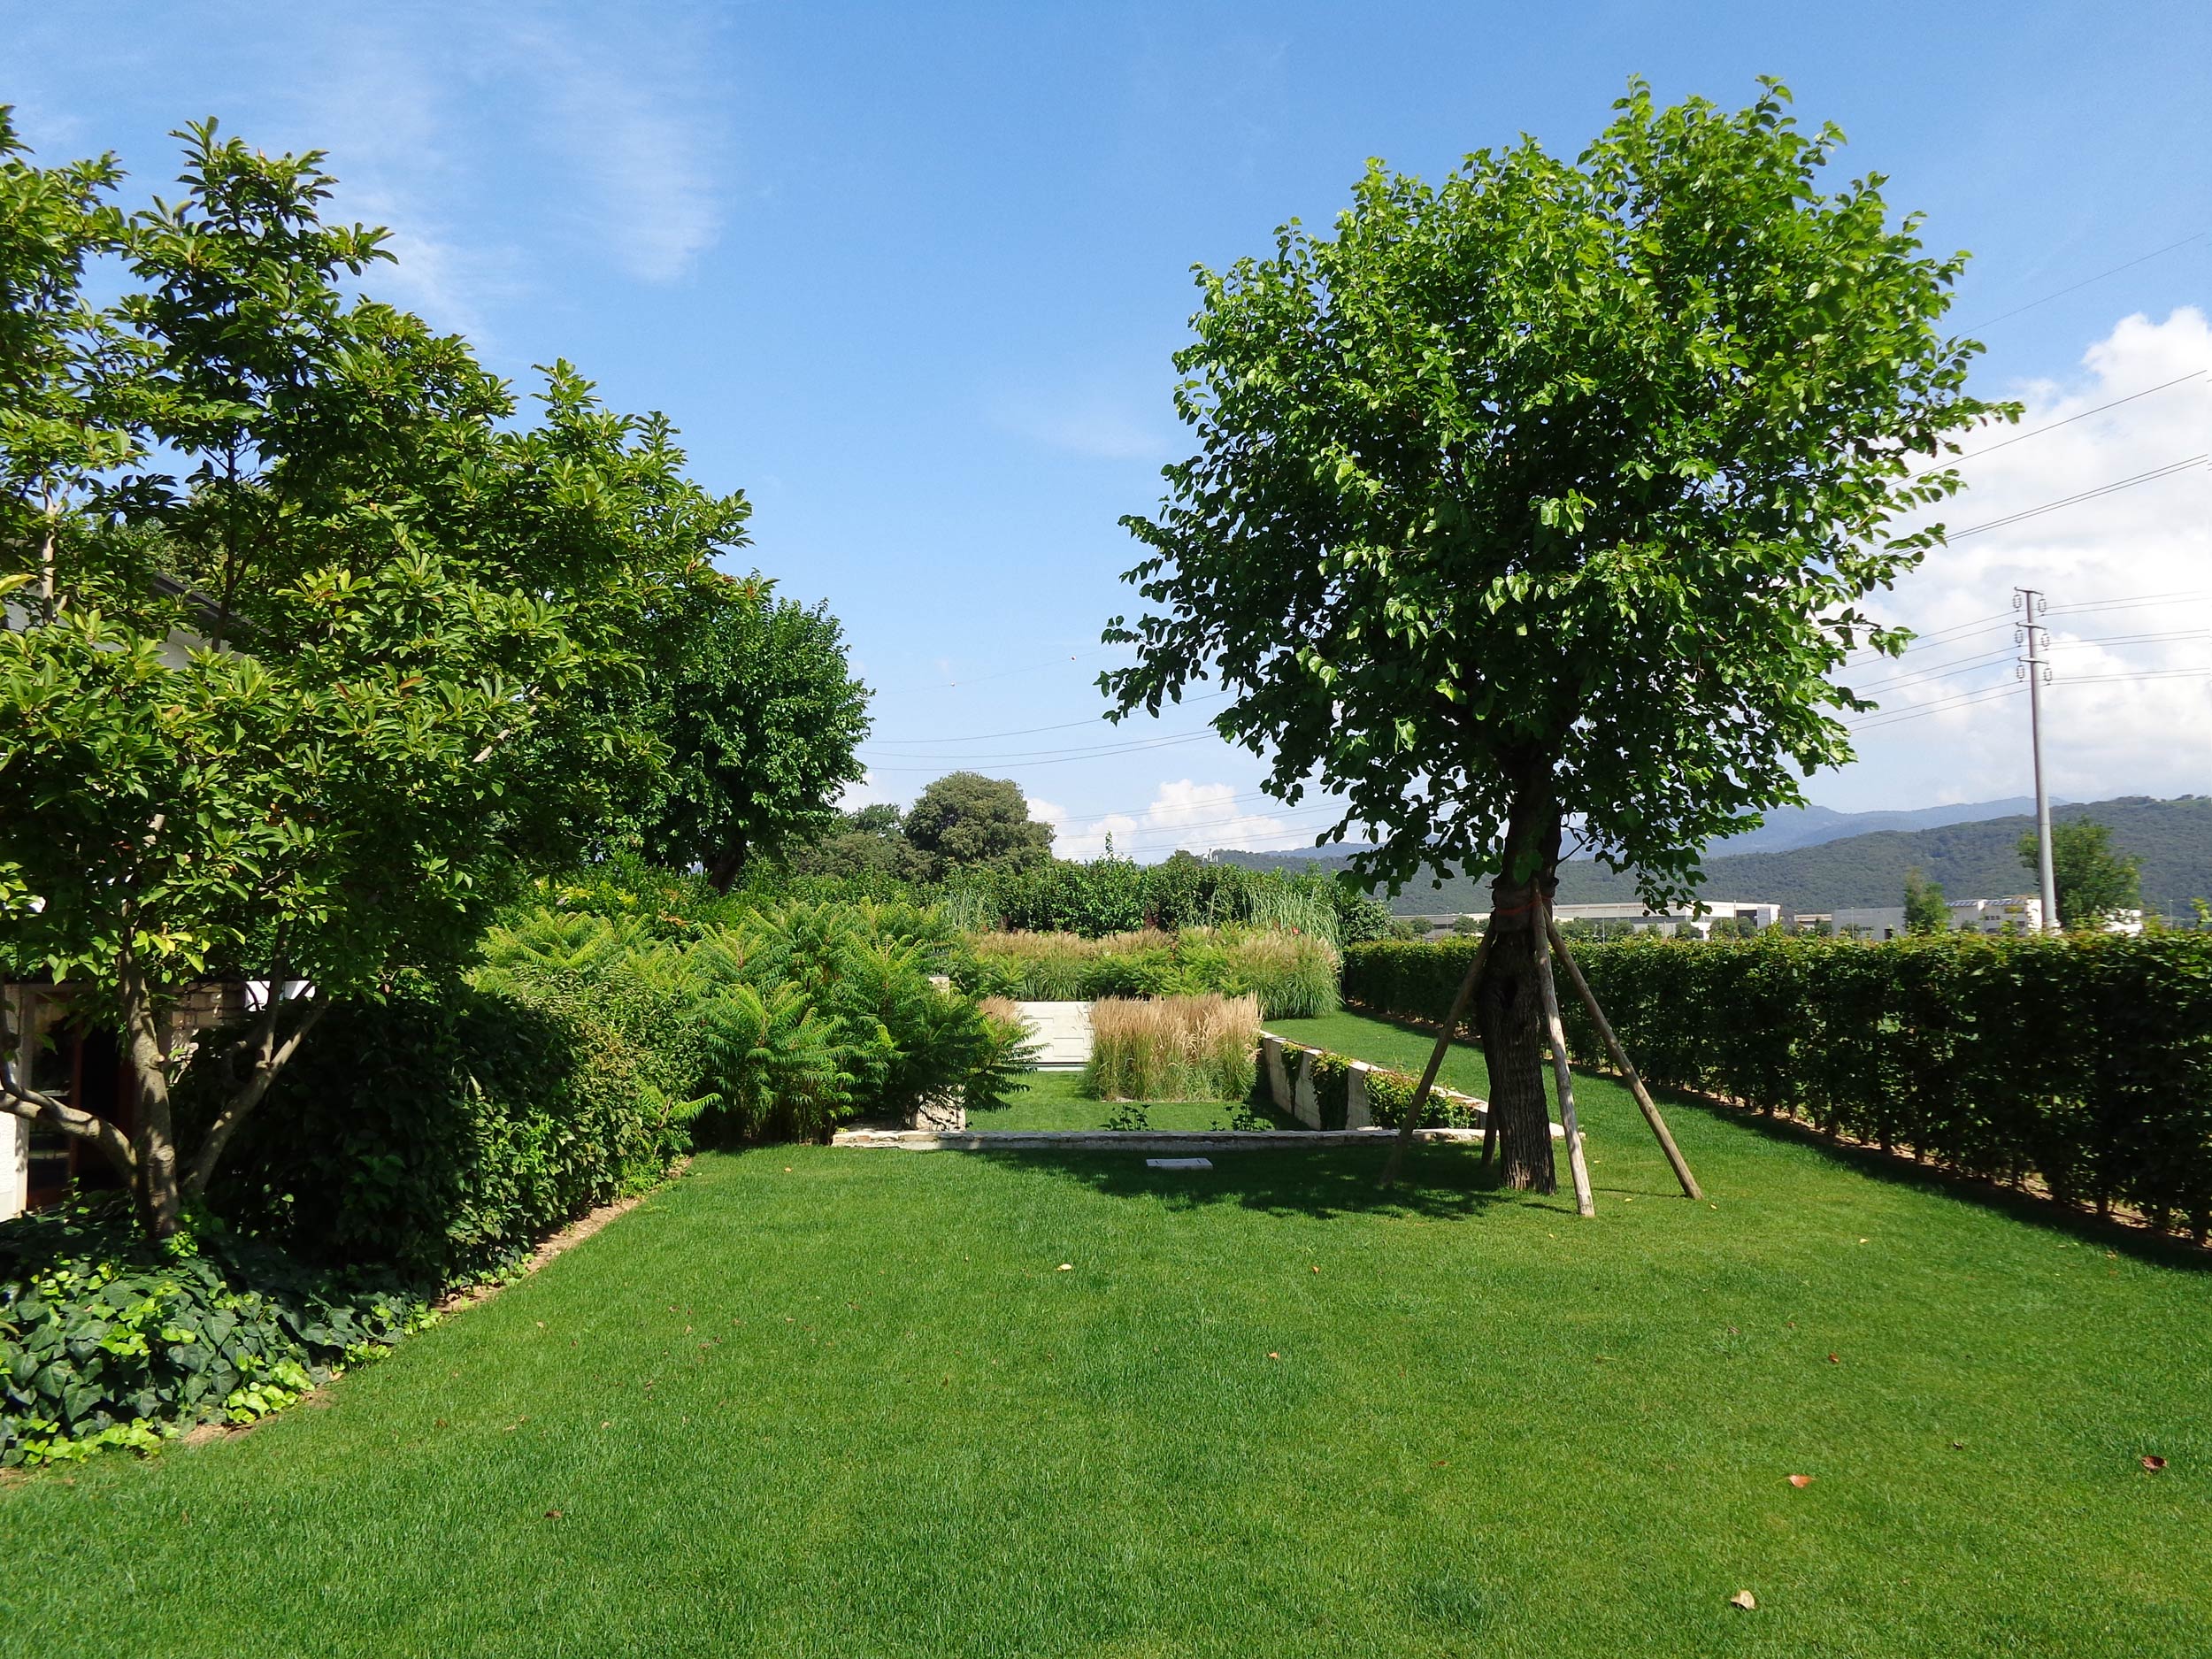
(153, 1138)
(1508, 1007)
(724, 870)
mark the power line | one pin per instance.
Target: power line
(2136, 603)
(2168, 471)
(2086, 282)
(1960, 702)
(2037, 432)
(1967, 664)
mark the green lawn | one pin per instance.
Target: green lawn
(819, 1402)
(1054, 1100)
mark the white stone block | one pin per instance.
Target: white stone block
(1357, 1113)
(1303, 1106)
(1278, 1079)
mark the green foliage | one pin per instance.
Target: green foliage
(868, 843)
(1555, 489)
(781, 1023)
(1925, 911)
(1389, 1093)
(408, 621)
(1291, 974)
(2094, 882)
(108, 1340)
(762, 717)
(444, 1131)
(966, 821)
(2082, 1062)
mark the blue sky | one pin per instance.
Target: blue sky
(910, 277)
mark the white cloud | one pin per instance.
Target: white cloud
(625, 107)
(2130, 708)
(1183, 814)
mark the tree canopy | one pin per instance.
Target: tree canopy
(2095, 881)
(309, 635)
(763, 718)
(966, 821)
(1551, 494)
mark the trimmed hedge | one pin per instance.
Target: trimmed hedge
(442, 1133)
(2082, 1062)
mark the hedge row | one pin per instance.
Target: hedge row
(442, 1133)
(2083, 1063)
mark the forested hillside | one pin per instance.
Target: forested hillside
(2173, 839)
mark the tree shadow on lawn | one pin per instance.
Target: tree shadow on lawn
(1440, 1183)
(1899, 1168)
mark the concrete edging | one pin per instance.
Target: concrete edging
(1134, 1139)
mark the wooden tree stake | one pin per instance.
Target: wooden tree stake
(1562, 1075)
(1436, 1061)
(1690, 1188)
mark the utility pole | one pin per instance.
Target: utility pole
(2032, 604)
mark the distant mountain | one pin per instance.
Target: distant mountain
(1811, 826)
(1971, 860)
(1784, 828)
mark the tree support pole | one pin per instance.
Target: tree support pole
(1606, 1035)
(1436, 1062)
(1562, 1075)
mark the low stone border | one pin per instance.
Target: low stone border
(1185, 1140)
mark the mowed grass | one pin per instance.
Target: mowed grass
(1055, 1100)
(819, 1402)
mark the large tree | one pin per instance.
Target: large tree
(308, 637)
(1548, 497)
(2095, 881)
(763, 717)
(966, 821)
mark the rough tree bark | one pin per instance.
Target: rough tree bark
(1509, 1002)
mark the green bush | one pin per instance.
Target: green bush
(1293, 974)
(1389, 1093)
(2080, 1063)
(443, 1131)
(108, 1340)
(793, 1019)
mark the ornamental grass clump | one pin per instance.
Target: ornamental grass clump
(1173, 1048)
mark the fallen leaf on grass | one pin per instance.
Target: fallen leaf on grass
(1743, 1599)
(2154, 1463)
(1833, 1360)
(1317, 1269)
(1800, 1480)
(552, 1514)
(1273, 1355)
